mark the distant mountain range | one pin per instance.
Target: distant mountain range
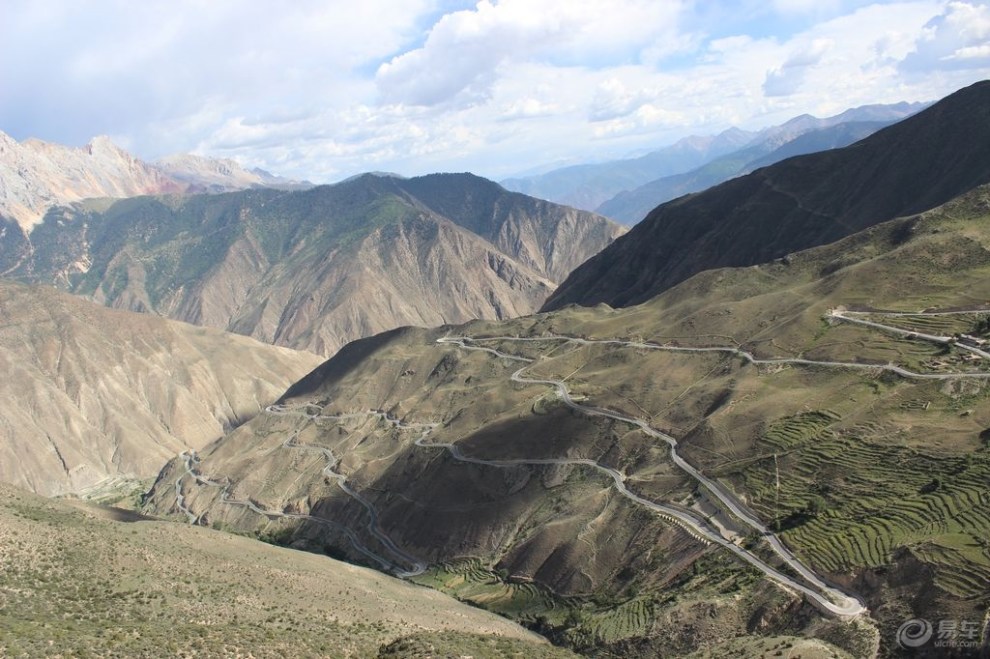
(625, 190)
(37, 175)
(588, 186)
(631, 206)
(810, 200)
(316, 268)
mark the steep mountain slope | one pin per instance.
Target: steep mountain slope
(487, 458)
(810, 200)
(515, 223)
(631, 206)
(80, 580)
(92, 394)
(315, 269)
(37, 175)
(587, 186)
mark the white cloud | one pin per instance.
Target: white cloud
(971, 52)
(954, 39)
(787, 78)
(82, 68)
(806, 6)
(324, 89)
(529, 107)
(462, 55)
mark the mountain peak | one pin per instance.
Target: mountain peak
(102, 143)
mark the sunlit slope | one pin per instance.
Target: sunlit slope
(314, 269)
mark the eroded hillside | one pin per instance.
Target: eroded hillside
(317, 268)
(94, 394)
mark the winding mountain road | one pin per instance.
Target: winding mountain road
(850, 317)
(824, 596)
(417, 566)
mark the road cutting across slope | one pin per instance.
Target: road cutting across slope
(824, 596)
(821, 594)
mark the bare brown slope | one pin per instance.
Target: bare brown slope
(550, 238)
(91, 393)
(420, 270)
(912, 166)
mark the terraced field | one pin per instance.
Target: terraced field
(939, 325)
(873, 499)
(471, 581)
(598, 623)
(630, 619)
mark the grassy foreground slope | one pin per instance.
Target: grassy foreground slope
(77, 580)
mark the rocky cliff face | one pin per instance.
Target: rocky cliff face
(92, 393)
(203, 174)
(37, 175)
(317, 268)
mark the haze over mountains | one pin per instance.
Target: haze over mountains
(317, 268)
(906, 168)
(625, 190)
(588, 186)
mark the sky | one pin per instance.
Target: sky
(321, 90)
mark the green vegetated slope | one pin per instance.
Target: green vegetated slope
(77, 580)
(916, 164)
(883, 478)
(314, 269)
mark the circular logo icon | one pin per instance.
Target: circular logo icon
(914, 633)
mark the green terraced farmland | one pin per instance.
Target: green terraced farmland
(875, 498)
